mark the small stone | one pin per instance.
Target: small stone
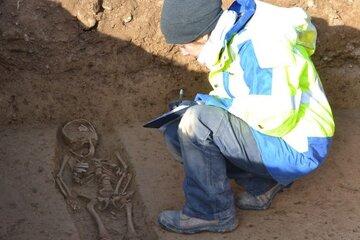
(26, 37)
(87, 20)
(106, 5)
(95, 7)
(98, 16)
(128, 18)
(311, 4)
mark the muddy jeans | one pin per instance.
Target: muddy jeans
(215, 146)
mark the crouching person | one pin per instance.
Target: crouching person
(267, 121)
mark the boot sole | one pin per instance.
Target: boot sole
(267, 205)
(214, 228)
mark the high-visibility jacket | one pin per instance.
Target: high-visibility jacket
(264, 75)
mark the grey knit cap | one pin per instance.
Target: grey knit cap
(183, 21)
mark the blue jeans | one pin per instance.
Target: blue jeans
(214, 147)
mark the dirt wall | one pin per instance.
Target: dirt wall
(117, 68)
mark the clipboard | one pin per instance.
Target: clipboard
(170, 116)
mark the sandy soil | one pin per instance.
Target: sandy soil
(53, 69)
(321, 206)
(106, 61)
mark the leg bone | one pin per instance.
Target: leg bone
(130, 223)
(103, 233)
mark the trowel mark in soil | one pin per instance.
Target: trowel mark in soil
(98, 190)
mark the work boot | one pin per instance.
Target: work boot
(176, 221)
(246, 201)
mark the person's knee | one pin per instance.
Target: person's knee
(199, 121)
(189, 121)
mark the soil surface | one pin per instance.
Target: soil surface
(321, 206)
(106, 61)
(53, 69)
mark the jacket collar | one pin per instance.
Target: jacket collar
(245, 9)
(231, 22)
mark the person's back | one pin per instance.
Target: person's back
(277, 95)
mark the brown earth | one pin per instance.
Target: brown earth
(115, 69)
